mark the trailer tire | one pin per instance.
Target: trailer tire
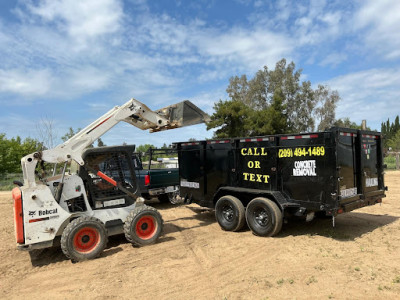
(143, 226)
(230, 213)
(84, 238)
(264, 217)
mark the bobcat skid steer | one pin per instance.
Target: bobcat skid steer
(100, 196)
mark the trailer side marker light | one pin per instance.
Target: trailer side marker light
(38, 220)
(340, 211)
(218, 142)
(379, 201)
(348, 134)
(255, 140)
(370, 136)
(308, 136)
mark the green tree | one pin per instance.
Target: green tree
(327, 101)
(100, 143)
(394, 142)
(12, 150)
(396, 125)
(144, 148)
(271, 120)
(389, 130)
(347, 123)
(232, 117)
(71, 132)
(273, 101)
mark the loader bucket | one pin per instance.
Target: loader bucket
(182, 114)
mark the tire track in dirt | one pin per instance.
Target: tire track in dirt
(195, 259)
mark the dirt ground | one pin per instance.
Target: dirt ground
(195, 259)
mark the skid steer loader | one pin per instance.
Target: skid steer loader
(99, 196)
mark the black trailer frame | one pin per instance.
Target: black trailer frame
(327, 172)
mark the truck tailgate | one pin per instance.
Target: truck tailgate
(163, 177)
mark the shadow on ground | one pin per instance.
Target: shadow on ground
(348, 226)
(203, 216)
(55, 255)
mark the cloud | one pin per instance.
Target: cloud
(81, 20)
(59, 49)
(250, 48)
(369, 94)
(380, 22)
(92, 46)
(334, 59)
(30, 83)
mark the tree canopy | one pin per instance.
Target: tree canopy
(345, 122)
(12, 150)
(391, 133)
(273, 101)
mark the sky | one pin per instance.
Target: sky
(68, 61)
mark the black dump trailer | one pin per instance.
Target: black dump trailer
(261, 180)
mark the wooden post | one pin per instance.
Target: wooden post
(364, 125)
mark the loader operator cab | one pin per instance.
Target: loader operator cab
(116, 163)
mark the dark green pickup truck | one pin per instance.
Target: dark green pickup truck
(158, 179)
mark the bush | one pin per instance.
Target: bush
(390, 161)
(6, 181)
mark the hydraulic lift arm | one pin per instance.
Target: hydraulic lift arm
(133, 112)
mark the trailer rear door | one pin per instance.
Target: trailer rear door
(347, 162)
(370, 161)
(191, 169)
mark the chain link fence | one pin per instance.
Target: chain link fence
(6, 181)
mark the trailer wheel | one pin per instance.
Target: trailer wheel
(229, 212)
(264, 217)
(143, 226)
(84, 238)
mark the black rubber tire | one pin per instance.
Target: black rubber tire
(264, 217)
(163, 198)
(84, 238)
(143, 226)
(172, 198)
(230, 214)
